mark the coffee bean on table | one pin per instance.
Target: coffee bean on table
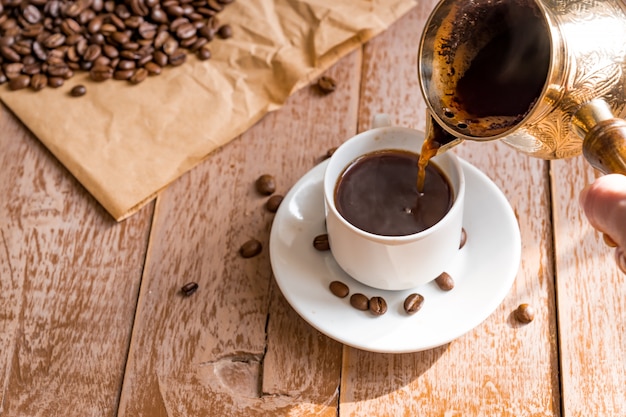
(445, 281)
(413, 303)
(189, 289)
(266, 184)
(320, 242)
(78, 90)
(19, 82)
(326, 84)
(251, 248)
(378, 306)
(273, 203)
(330, 152)
(339, 289)
(463, 238)
(360, 302)
(524, 313)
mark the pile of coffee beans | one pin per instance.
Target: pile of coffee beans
(44, 42)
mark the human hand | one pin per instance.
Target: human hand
(604, 204)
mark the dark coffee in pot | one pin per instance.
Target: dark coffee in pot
(378, 193)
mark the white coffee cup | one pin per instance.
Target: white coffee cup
(393, 262)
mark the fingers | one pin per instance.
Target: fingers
(604, 204)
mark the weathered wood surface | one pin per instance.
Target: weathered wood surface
(92, 322)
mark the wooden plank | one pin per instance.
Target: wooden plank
(591, 301)
(234, 347)
(500, 368)
(69, 277)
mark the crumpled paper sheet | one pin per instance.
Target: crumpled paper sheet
(125, 143)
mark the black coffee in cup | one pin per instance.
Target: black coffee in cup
(378, 193)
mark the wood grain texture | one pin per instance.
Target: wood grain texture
(234, 348)
(69, 277)
(92, 321)
(592, 305)
(500, 368)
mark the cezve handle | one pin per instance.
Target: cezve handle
(604, 143)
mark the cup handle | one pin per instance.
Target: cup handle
(381, 120)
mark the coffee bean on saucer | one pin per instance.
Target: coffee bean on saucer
(189, 288)
(608, 241)
(339, 289)
(463, 238)
(413, 303)
(360, 302)
(78, 90)
(273, 203)
(326, 84)
(251, 248)
(445, 281)
(266, 184)
(321, 242)
(378, 306)
(524, 313)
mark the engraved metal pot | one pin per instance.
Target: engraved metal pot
(581, 99)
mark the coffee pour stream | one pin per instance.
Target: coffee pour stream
(545, 76)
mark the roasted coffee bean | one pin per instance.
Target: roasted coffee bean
(203, 54)
(524, 313)
(326, 84)
(251, 248)
(178, 57)
(378, 306)
(339, 289)
(126, 64)
(273, 203)
(101, 73)
(463, 238)
(330, 152)
(78, 90)
(9, 54)
(320, 242)
(445, 281)
(13, 69)
(152, 68)
(266, 184)
(92, 52)
(197, 44)
(360, 302)
(606, 238)
(225, 31)
(160, 58)
(413, 303)
(123, 74)
(189, 288)
(38, 82)
(55, 82)
(140, 75)
(19, 82)
(185, 31)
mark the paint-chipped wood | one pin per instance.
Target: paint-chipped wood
(93, 323)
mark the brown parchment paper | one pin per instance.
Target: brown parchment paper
(125, 143)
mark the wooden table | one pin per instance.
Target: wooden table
(92, 322)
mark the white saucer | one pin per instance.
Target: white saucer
(483, 271)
